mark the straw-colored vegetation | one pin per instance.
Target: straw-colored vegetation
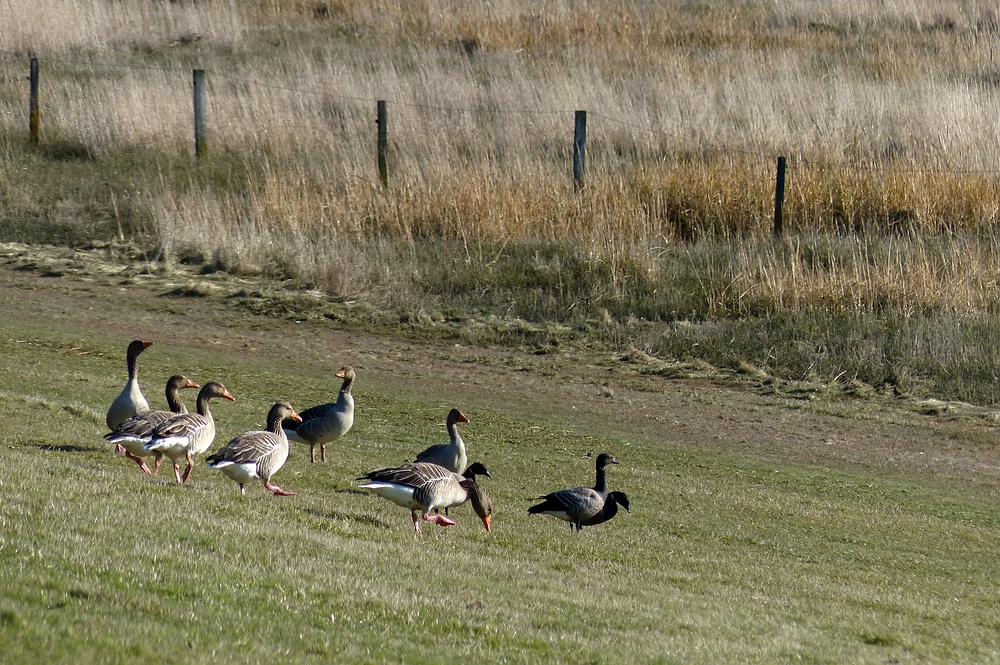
(887, 114)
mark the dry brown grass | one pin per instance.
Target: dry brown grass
(886, 114)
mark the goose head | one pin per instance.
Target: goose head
(455, 416)
(605, 459)
(477, 469)
(481, 502)
(621, 499)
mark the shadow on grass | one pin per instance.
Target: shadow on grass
(168, 481)
(337, 515)
(56, 448)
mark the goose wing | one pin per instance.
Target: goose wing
(246, 448)
(417, 474)
(180, 426)
(577, 503)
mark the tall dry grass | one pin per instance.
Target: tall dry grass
(887, 113)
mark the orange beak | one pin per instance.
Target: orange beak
(486, 522)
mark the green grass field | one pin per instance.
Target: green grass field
(727, 557)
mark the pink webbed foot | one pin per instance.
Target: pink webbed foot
(439, 519)
(119, 449)
(277, 490)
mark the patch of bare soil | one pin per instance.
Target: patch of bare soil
(635, 397)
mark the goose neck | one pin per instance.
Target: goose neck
(601, 486)
(203, 401)
(174, 402)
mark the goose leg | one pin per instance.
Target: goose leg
(190, 466)
(139, 461)
(243, 489)
(322, 451)
(416, 524)
(277, 490)
(159, 460)
(177, 471)
(312, 453)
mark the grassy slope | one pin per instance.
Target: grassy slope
(725, 559)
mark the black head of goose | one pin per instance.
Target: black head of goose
(609, 510)
(188, 434)
(577, 504)
(257, 454)
(476, 469)
(130, 400)
(425, 487)
(451, 455)
(132, 434)
(325, 423)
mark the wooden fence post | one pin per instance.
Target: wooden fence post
(34, 116)
(200, 114)
(779, 197)
(383, 139)
(579, 149)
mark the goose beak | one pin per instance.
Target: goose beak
(486, 522)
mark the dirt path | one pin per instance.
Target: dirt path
(601, 391)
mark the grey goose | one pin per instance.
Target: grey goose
(133, 433)
(257, 454)
(423, 486)
(451, 455)
(188, 434)
(325, 423)
(130, 400)
(577, 504)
